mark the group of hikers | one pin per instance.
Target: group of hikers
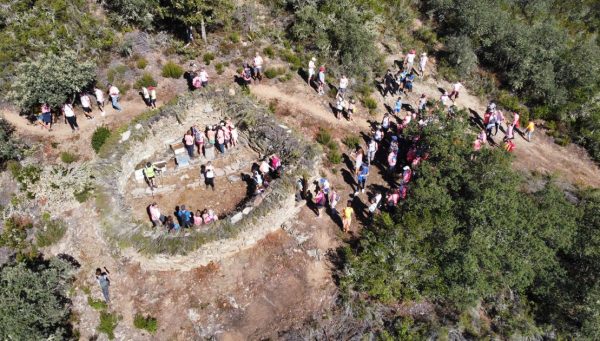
(222, 136)
(184, 217)
(46, 119)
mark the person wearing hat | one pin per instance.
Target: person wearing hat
(409, 60)
(311, 70)
(150, 174)
(152, 96)
(422, 64)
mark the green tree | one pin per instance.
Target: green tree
(10, 148)
(34, 304)
(186, 13)
(50, 78)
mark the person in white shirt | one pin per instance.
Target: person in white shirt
(146, 95)
(455, 89)
(114, 93)
(258, 64)
(152, 97)
(409, 60)
(445, 99)
(311, 69)
(203, 77)
(343, 85)
(99, 100)
(423, 63)
(86, 104)
(70, 116)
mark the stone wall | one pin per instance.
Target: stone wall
(142, 139)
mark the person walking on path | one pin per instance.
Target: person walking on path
(156, 217)
(361, 178)
(499, 120)
(86, 104)
(209, 175)
(150, 175)
(320, 201)
(392, 160)
(188, 142)
(398, 106)
(258, 66)
(516, 120)
(455, 91)
(372, 147)
(70, 116)
(321, 88)
(347, 216)
(220, 140)
(374, 204)
(422, 104)
(311, 70)
(99, 100)
(422, 64)
(152, 96)
(198, 139)
(343, 86)
(333, 198)
(104, 282)
(203, 77)
(529, 130)
(47, 116)
(409, 60)
(146, 96)
(114, 93)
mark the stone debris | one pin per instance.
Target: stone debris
(247, 210)
(236, 217)
(125, 136)
(233, 178)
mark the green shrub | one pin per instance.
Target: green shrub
(274, 72)
(562, 140)
(220, 68)
(234, 37)
(84, 194)
(269, 52)
(51, 232)
(509, 101)
(141, 63)
(10, 147)
(370, 103)
(426, 35)
(324, 136)
(14, 233)
(108, 323)
(67, 157)
(64, 71)
(147, 323)
(145, 81)
(97, 304)
(334, 156)
(101, 134)
(290, 57)
(34, 303)
(208, 57)
(172, 70)
(352, 141)
(288, 76)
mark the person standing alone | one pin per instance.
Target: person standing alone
(104, 283)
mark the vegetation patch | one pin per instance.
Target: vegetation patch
(147, 323)
(108, 323)
(101, 134)
(172, 70)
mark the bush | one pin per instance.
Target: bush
(208, 57)
(234, 37)
(97, 304)
(370, 103)
(34, 303)
(51, 232)
(460, 55)
(145, 81)
(352, 141)
(172, 70)
(220, 68)
(101, 134)
(290, 57)
(84, 194)
(147, 323)
(64, 72)
(269, 52)
(324, 136)
(108, 323)
(274, 72)
(141, 63)
(334, 156)
(10, 148)
(67, 157)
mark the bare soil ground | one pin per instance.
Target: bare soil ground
(287, 277)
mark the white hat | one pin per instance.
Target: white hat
(406, 168)
(313, 59)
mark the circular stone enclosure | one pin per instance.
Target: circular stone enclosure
(246, 222)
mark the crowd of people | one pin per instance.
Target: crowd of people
(181, 217)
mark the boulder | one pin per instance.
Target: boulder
(236, 217)
(125, 136)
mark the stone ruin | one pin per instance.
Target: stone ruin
(152, 134)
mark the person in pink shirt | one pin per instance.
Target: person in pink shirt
(220, 138)
(234, 136)
(197, 219)
(155, 216)
(189, 142)
(406, 174)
